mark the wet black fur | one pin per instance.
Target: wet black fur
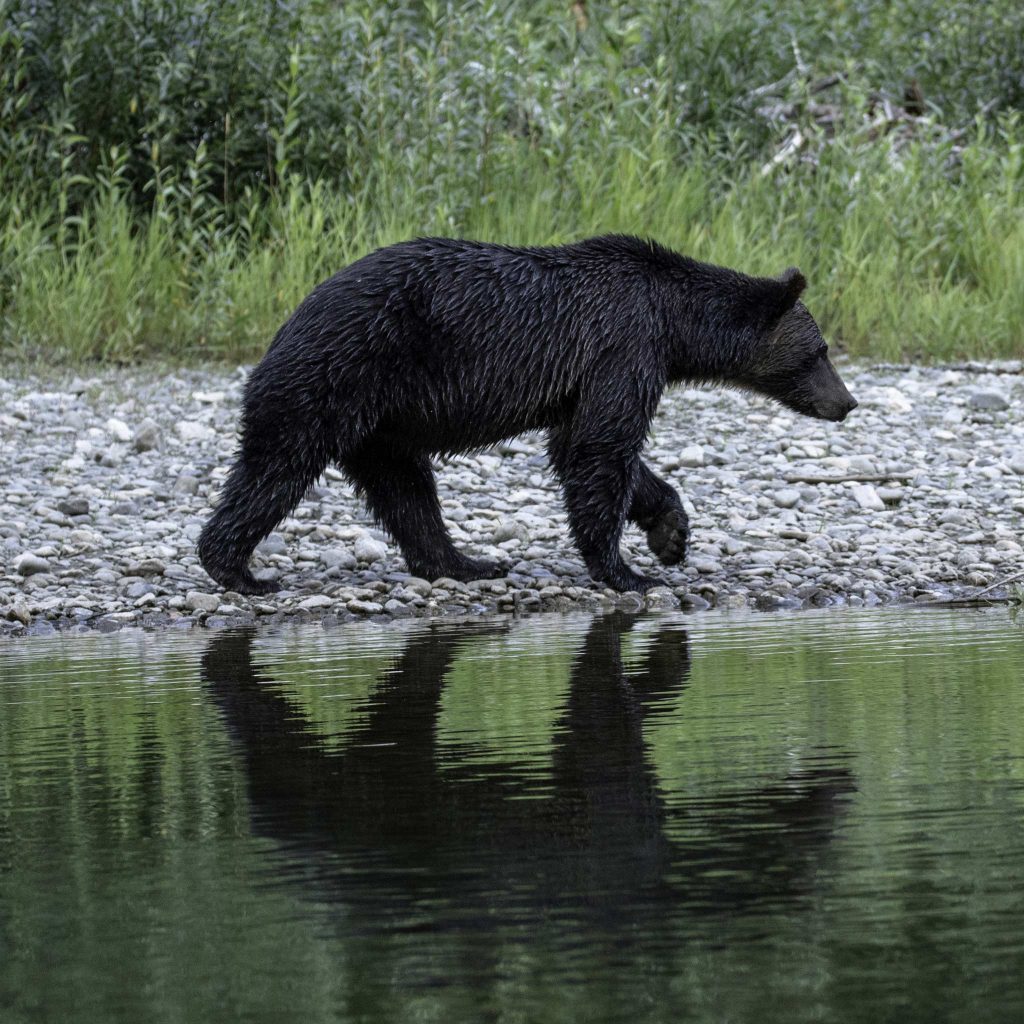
(438, 346)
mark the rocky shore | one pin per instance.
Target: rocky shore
(106, 479)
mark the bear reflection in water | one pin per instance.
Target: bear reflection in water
(382, 825)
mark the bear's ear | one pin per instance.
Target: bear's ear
(795, 283)
(781, 295)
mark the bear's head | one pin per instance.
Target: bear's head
(790, 361)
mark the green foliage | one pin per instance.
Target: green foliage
(174, 176)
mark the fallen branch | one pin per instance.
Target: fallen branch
(854, 478)
(1013, 369)
(978, 599)
(789, 148)
(965, 602)
(1001, 583)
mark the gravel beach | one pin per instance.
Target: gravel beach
(105, 481)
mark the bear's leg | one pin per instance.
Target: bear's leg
(657, 510)
(400, 491)
(267, 481)
(598, 480)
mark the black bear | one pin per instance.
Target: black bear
(437, 346)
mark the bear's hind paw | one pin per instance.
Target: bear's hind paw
(481, 569)
(246, 583)
(624, 580)
(263, 586)
(464, 570)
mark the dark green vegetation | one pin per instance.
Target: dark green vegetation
(782, 819)
(175, 175)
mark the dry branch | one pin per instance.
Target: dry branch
(852, 478)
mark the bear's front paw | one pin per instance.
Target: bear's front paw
(667, 538)
(623, 579)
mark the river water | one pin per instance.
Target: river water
(809, 817)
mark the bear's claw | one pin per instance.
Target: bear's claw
(668, 537)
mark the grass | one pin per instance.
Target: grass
(181, 203)
(916, 266)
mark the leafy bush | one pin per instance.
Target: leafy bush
(175, 173)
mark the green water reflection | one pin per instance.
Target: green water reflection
(784, 818)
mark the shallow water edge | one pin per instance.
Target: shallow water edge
(808, 818)
(468, 604)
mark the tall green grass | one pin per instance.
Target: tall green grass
(911, 264)
(175, 176)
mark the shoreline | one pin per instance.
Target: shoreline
(918, 497)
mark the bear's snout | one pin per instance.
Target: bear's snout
(843, 410)
(835, 411)
(830, 398)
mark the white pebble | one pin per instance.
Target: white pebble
(197, 601)
(867, 497)
(788, 497)
(366, 549)
(692, 456)
(118, 429)
(189, 430)
(28, 564)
